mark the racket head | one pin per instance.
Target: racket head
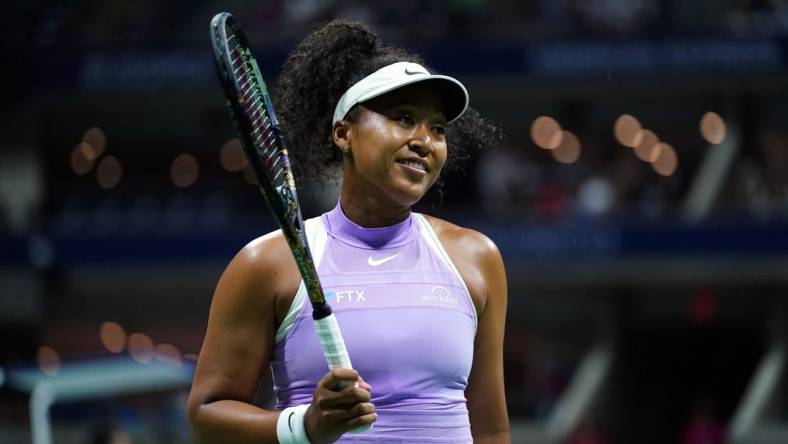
(261, 137)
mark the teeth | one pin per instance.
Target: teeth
(414, 164)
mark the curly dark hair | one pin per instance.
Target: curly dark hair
(322, 67)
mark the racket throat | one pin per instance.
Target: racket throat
(321, 311)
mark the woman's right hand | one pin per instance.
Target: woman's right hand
(340, 404)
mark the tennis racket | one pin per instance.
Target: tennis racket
(263, 144)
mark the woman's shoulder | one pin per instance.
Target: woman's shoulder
(472, 242)
(475, 255)
(263, 253)
(265, 268)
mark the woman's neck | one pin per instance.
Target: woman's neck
(370, 210)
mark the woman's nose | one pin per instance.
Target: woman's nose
(421, 143)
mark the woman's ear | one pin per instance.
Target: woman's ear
(341, 133)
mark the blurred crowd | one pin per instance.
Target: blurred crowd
(97, 24)
(517, 181)
(609, 181)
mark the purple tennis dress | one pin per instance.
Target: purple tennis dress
(408, 323)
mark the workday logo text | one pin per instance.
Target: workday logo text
(440, 295)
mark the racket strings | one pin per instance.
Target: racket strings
(264, 132)
(262, 139)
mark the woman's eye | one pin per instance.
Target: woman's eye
(405, 119)
(439, 130)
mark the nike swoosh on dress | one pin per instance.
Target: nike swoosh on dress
(375, 263)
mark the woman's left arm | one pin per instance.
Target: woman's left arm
(485, 391)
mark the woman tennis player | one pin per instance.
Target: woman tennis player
(421, 302)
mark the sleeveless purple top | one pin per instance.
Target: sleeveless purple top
(408, 322)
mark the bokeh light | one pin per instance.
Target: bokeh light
(646, 145)
(569, 149)
(113, 337)
(184, 170)
(667, 162)
(627, 130)
(656, 151)
(231, 156)
(141, 348)
(712, 128)
(82, 159)
(88, 152)
(168, 354)
(546, 132)
(96, 139)
(48, 360)
(109, 172)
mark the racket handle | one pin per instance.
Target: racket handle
(334, 350)
(332, 342)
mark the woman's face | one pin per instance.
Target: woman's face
(398, 145)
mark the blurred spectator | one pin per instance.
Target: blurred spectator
(615, 17)
(758, 18)
(595, 196)
(508, 184)
(750, 189)
(553, 200)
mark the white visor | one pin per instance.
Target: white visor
(397, 75)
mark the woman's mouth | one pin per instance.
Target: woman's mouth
(414, 164)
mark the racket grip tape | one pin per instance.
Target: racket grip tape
(332, 343)
(334, 350)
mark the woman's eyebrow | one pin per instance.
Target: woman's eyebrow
(405, 105)
(439, 118)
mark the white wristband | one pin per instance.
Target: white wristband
(290, 425)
